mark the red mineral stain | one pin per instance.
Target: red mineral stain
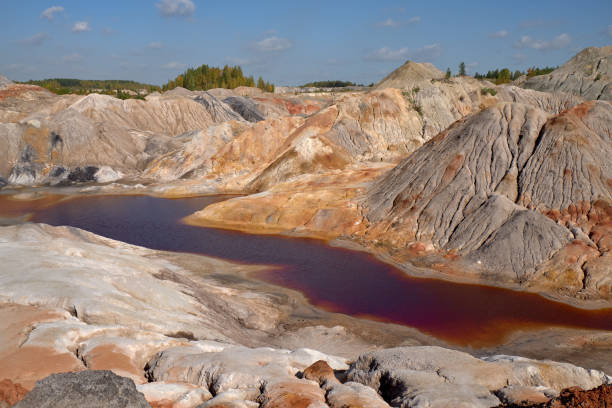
(336, 279)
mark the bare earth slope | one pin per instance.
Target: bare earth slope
(101, 131)
(483, 190)
(588, 74)
(409, 75)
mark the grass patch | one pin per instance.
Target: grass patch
(489, 91)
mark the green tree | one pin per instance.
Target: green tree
(462, 69)
(204, 77)
(448, 73)
(260, 83)
(504, 76)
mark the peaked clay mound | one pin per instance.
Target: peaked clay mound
(409, 75)
(588, 74)
(505, 191)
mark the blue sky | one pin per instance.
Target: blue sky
(289, 42)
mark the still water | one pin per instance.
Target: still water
(335, 279)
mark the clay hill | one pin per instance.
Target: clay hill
(588, 74)
(504, 190)
(409, 75)
(440, 177)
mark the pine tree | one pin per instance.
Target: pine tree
(204, 77)
(462, 69)
(448, 73)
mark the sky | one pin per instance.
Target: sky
(290, 43)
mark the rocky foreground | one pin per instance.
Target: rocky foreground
(72, 301)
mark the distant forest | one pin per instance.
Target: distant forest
(204, 77)
(115, 87)
(502, 76)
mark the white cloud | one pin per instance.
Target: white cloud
(560, 41)
(81, 26)
(156, 45)
(36, 39)
(387, 54)
(388, 23)
(173, 65)
(176, 8)
(49, 13)
(271, 44)
(74, 57)
(499, 34)
(427, 53)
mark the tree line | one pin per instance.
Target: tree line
(204, 77)
(84, 86)
(504, 75)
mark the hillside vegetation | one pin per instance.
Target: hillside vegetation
(204, 78)
(504, 75)
(115, 87)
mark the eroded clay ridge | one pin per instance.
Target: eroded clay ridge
(231, 140)
(509, 189)
(587, 74)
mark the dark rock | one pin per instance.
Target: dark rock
(3, 182)
(27, 155)
(57, 171)
(90, 388)
(55, 142)
(245, 108)
(58, 175)
(83, 174)
(26, 170)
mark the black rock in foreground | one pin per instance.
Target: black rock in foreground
(91, 388)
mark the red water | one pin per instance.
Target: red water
(336, 279)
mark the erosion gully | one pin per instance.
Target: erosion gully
(335, 279)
